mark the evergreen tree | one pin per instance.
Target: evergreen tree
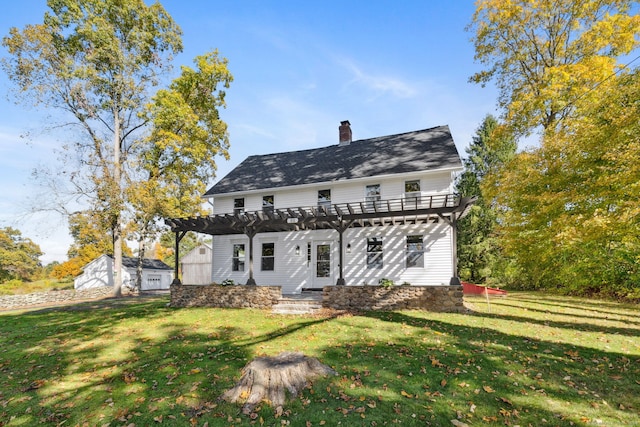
(478, 249)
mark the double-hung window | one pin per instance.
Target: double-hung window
(324, 199)
(238, 257)
(238, 205)
(268, 257)
(372, 196)
(267, 203)
(415, 251)
(374, 252)
(412, 193)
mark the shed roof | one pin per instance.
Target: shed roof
(422, 150)
(151, 264)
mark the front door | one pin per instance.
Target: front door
(321, 266)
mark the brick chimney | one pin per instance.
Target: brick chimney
(345, 133)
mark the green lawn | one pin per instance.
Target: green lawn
(529, 359)
(16, 287)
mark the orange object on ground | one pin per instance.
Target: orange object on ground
(471, 289)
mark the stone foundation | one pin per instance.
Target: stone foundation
(429, 298)
(235, 296)
(54, 297)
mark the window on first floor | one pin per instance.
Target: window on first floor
(374, 252)
(415, 251)
(268, 257)
(238, 257)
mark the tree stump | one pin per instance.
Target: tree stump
(267, 378)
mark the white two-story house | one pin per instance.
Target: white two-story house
(351, 213)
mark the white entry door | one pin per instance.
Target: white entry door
(321, 271)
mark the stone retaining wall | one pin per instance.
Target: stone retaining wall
(53, 297)
(430, 298)
(236, 296)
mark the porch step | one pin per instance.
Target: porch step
(297, 304)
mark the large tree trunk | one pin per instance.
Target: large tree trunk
(266, 379)
(117, 233)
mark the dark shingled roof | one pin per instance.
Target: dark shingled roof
(152, 264)
(416, 151)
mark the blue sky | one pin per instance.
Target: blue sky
(299, 67)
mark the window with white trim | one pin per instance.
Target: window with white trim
(372, 195)
(374, 252)
(324, 199)
(415, 251)
(412, 192)
(238, 257)
(267, 262)
(267, 203)
(238, 205)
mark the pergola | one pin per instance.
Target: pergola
(340, 216)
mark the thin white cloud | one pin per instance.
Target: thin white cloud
(377, 84)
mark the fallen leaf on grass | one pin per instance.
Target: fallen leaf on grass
(459, 423)
(488, 389)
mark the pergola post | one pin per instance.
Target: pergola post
(341, 281)
(341, 227)
(176, 268)
(455, 280)
(250, 232)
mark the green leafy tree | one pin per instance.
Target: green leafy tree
(98, 62)
(544, 55)
(478, 247)
(178, 157)
(92, 237)
(563, 217)
(18, 256)
(573, 221)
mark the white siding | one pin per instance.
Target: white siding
(95, 274)
(437, 268)
(294, 272)
(196, 266)
(99, 272)
(391, 187)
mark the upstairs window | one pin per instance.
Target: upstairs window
(415, 251)
(267, 203)
(372, 196)
(374, 252)
(268, 257)
(324, 199)
(238, 205)
(412, 192)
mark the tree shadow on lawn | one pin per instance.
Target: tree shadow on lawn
(516, 379)
(579, 304)
(102, 367)
(577, 324)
